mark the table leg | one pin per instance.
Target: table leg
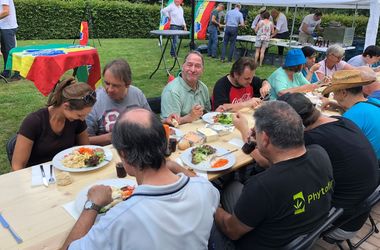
(162, 56)
(176, 55)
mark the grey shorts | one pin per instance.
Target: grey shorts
(259, 44)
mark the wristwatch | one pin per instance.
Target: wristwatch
(88, 205)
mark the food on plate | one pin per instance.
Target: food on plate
(223, 118)
(63, 178)
(200, 153)
(183, 144)
(175, 123)
(219, 163)
(193, 137)
(84, 157)
(118, 195)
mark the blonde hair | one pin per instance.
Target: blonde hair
(78, 95)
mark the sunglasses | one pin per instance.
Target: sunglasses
(91, 96)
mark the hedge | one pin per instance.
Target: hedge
(58, 19)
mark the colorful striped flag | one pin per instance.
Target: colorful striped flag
(165, 21)
(83, 35)
(203, 11)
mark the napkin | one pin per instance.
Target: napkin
(37, 175)
(70, 209)
(236, 142)
(198, 172)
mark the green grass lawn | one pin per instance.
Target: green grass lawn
(18, 99)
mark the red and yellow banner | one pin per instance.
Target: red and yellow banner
(83, 35)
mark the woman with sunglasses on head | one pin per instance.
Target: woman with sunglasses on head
(333, 62)
(58, 126)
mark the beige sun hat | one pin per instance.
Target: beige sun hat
(262, 9)
(345, 79)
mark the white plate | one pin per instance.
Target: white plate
(178, 133)
(82, 195)
(57, 160)
(204, 165)
(209, 117)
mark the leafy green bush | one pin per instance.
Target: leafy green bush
(53, 19)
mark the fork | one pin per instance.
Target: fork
(51, 179)
(217, 156)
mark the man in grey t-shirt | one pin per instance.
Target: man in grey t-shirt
(117, 95)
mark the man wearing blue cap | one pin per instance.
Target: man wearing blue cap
(289, 78)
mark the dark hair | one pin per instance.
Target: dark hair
(120, 69)
(265, 15)
(78, 95)
(318, 13)
(281, 123)
(355, 90)
(243, 62)
(303, 106)
(141, 146)
(308, 51)
(372, 51)
(295, 69)
(194, 52)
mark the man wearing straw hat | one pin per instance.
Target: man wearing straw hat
(347, 86)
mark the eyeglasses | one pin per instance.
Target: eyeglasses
(87, 98)
(338, 57)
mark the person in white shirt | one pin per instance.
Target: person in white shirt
(281, 27)
(177, 21)
(309, 24)
(8, 29)
(370, 56)
(167, 210)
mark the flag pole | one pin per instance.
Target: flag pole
(192, 43)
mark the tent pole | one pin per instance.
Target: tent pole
(356, 13)
(294, 20)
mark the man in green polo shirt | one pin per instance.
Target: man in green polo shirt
(186, 97)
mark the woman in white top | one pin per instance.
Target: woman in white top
(333, 62)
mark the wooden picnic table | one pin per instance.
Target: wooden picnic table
(37, 213)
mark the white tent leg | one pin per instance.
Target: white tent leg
(293, 22)
(373, 23)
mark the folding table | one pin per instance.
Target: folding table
(169, 37)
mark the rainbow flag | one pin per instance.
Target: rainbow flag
(83, 35)
(45, 64)
(165, 21)
(203, 11)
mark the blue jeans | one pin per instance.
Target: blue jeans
(212, 40)
(230, 35)
(8, 42)
(173, 50)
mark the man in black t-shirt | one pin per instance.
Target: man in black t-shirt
(352, 157)
(287, 200)
(240, 89)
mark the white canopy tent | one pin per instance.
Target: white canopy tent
(372, 5)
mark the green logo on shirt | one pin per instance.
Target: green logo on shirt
(299, 200)
(299, 203)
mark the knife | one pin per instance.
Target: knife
(44, 180)
(6, 225)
